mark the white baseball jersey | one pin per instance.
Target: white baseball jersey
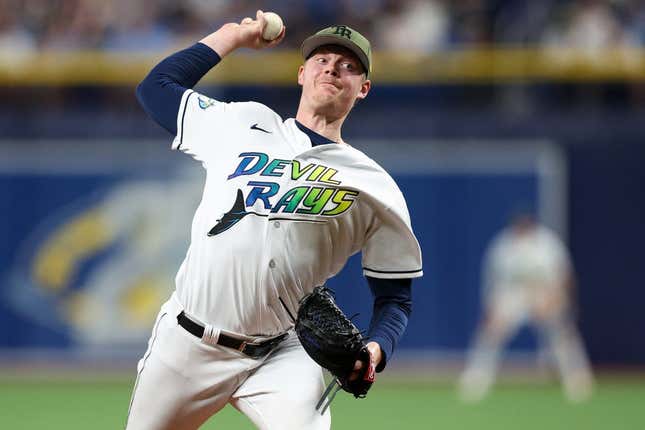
(279, 216)
(536, 259)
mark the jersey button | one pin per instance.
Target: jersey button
(276, 224)
(271, 263)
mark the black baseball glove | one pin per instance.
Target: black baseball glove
(334, 342)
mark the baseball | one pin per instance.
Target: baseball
(273, 26)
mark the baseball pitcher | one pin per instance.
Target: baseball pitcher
(285, 204)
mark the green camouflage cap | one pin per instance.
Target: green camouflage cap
(344, 36)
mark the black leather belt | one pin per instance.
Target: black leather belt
(253, 350)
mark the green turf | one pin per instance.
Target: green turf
(616, 405)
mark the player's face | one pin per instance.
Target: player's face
(332, 81)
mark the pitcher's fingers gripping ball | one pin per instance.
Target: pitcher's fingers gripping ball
(265, 31)
(272, 27)
(335, 343)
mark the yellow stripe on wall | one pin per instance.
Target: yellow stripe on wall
(280, 67)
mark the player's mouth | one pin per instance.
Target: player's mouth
(330, 84)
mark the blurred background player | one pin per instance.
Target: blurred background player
(527, 278)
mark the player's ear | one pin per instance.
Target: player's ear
(301, 72)
(364, 90)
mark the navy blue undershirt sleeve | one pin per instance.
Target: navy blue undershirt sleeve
(160, 92)
(392, 308)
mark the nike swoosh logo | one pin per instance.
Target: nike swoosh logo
(255, 127)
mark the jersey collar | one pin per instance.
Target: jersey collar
(316, 139)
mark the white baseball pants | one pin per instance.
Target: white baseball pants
(182, 382)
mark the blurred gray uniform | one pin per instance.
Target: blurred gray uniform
(526, 273)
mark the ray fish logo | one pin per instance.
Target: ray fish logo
(205, 102)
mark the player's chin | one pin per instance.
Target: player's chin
(327, 94)
(333, 95)
(325, 99)
(332, 105)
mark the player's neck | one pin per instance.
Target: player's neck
(321, 124)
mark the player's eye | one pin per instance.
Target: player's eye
(321, 60)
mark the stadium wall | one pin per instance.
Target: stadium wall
(55, 177)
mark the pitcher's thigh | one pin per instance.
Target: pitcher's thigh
(163, 399)
(282, 393)
(170, 391)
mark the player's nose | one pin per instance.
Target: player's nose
(331, 68)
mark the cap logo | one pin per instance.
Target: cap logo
(342, 30)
